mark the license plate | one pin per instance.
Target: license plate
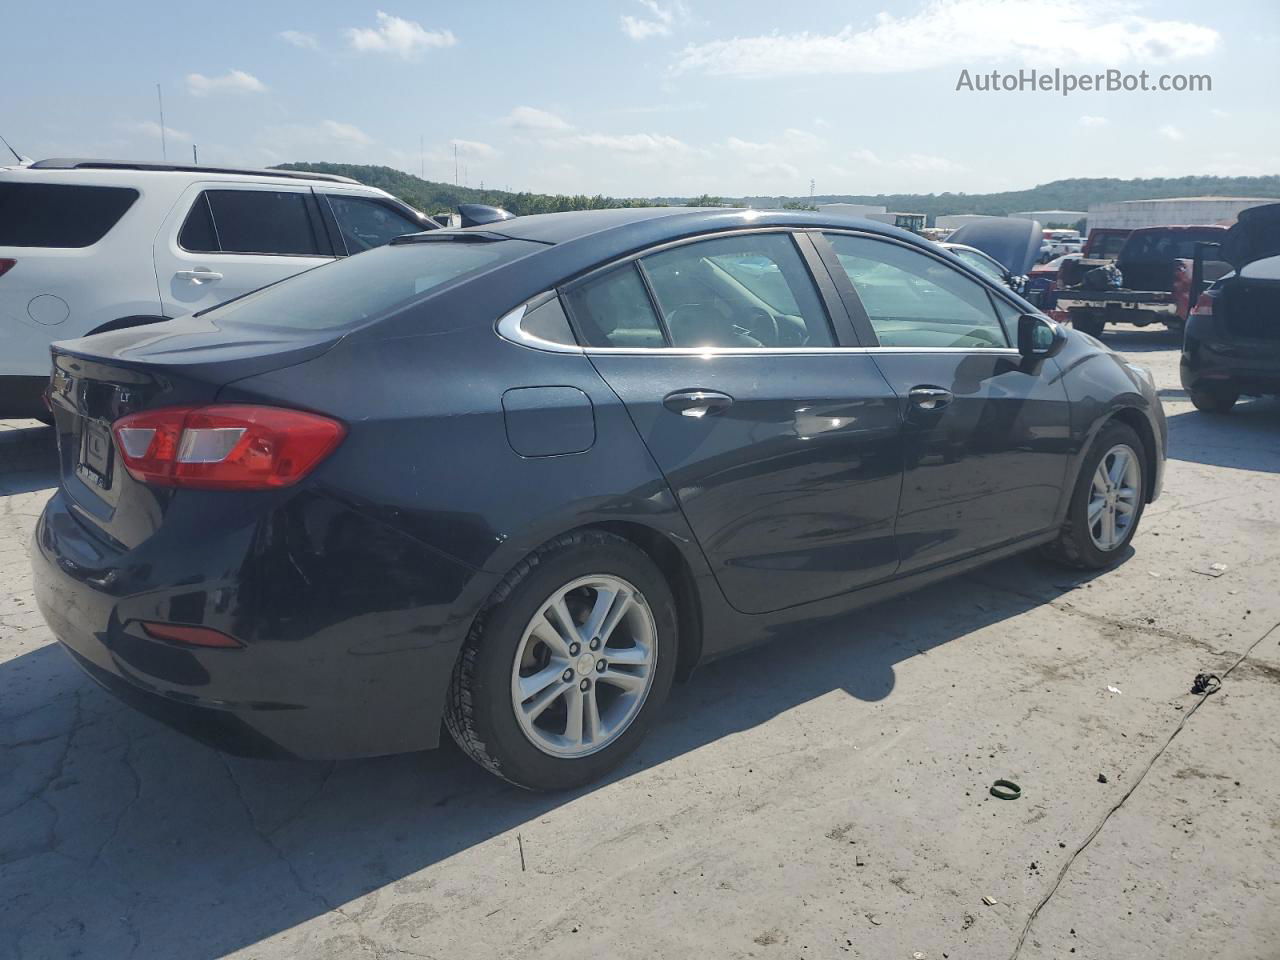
(96, 453)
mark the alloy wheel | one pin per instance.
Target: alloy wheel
(1114, 497)
(584, 666)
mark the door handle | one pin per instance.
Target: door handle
(697, 403)
(199, 275)
(929, 398)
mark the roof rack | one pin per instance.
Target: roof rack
(65, 163)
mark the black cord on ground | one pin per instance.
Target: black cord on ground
(1207, 690)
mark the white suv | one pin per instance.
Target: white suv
(93, 245)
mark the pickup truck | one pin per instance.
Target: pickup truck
(1157, 281)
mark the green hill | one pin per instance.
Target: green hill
(1076, 194)
(432, 197)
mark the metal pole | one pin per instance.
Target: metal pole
(164, 151)
(455, 164)
(195, 154)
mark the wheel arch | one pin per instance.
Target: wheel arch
(1136, 420)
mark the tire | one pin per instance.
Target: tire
(1078, 543)
(1214, 399)
(1091, 325)
(536, 753)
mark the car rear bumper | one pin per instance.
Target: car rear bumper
(339, 670)
(1208, 359)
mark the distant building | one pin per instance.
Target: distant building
(957, 220)
(1131, 214)
(1051, 216)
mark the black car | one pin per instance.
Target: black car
(1232, 341)
(520, 477)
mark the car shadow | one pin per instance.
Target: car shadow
(28, 457)
(1247, 438)
(1134, 340)
(120, 837)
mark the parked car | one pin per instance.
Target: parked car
(1232, 341)
(1105, 243)
(92, 245)
(522, 476)
(986, 265)
(1143, 285)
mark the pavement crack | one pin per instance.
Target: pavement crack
(268, 839)
(1066, 867)
(129, 804)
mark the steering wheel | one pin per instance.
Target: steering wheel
(764, 327)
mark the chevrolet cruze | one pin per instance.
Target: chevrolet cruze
(514, 480)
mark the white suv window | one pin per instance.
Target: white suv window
(59, 215)
(252, 221)
(366, 223)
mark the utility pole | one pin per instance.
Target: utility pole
(422, 157)
(164, 152)
(455, 164)
(195, 154)
(811, 186)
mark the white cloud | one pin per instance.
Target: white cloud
(531, 118)
(233, 81)
(297, 38)
(1088, 121)
(636, 144)
(395, 35)
(659, 22)
(473, 149)
(1170, 132)
(151, 130)
(791, 141)
(775, 170)
(928, 163)
(345, 133)
(1219, 113)
(961, 33)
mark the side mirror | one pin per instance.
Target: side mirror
(1038, 337)
(1018, 284)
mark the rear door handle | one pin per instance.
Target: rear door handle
(930, 398)
(697, 403)
(199, 275)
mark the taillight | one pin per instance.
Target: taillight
(6, 264)
(1204, 305)
(226, 447)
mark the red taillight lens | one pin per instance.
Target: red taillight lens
(191, 636)
(1204, 305)
(6, 264)
(227, 447)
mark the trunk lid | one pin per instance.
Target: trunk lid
(97, 380)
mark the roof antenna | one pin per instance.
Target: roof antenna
(11, 150)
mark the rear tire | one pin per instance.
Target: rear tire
(1083, 542)
(518, 655)
(1091, 325)
(1214, 399)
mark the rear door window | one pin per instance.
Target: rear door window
(366, 223)
(59, 214)
(614, 310)
(270, 222)
(750, 290)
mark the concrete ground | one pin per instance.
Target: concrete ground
(825, 796)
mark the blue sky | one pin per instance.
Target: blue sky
(650, 97)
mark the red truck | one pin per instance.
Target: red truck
(1152, 278)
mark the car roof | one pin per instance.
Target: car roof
(609, 233)
(73, 163)
(1180, 227)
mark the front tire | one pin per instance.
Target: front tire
(1214, 399)
(549, 704)
(1107, 502)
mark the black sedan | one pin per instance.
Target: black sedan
(1231, 345)
(520, 477)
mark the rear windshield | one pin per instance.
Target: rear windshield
(1108, 246)
(59, 214)
(1167, 245)
(348, 292)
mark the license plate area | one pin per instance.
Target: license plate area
(97, 455)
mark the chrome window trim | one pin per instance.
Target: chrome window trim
(509, 328)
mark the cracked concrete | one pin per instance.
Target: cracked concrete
(825, 796)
